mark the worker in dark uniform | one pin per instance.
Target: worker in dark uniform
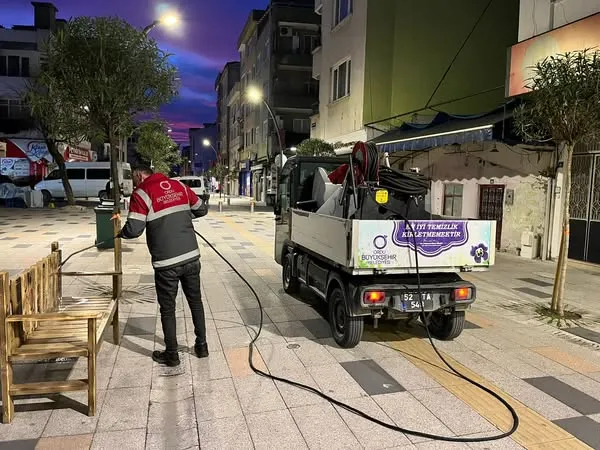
(165, 209)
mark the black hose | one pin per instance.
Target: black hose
(356, 411)
(85, 249)
(332, 400)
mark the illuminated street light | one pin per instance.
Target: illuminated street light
(207, 143)
(170, 20)
(255, 96)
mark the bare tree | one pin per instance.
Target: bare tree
(563, 106)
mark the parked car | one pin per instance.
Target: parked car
(88, 179)
(199, 185)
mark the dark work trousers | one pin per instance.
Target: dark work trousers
(167, 284)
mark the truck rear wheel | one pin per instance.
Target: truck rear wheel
(291, 285)
(347, 331)
(447, 327)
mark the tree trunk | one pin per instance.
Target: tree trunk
(116, 195)
(561, 267)
(60, 161)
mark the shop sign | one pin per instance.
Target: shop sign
(78, 154)
(37, 151)
(14, 167)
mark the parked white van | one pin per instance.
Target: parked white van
(88, 179)
(198, 185)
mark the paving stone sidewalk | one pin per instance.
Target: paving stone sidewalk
(219, 403)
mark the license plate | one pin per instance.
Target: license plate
(410, 301)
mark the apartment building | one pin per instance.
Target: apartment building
(240, 182)
(339, 66)
(224, 83)
(548, 27)
(275, 49)
(24, 156)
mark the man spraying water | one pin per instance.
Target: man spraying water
(165, 209)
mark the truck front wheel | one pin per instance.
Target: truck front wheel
(291, 285)
(347, 331)
(446, 327)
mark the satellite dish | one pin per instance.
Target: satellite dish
(278, 162)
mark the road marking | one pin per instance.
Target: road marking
(570, 361)
(479, 320)
(534, 430)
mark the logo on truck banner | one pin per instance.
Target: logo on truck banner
(432, 237)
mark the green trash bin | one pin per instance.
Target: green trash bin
(104, 225)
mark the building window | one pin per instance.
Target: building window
(258, 135)
(341, 10)
(252, 136)
(25, 67)
(301, 126)
(13, 66)
(340, 80)
(453, 200)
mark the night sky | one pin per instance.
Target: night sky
(204, 41)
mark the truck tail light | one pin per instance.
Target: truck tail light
(462, 294)
(374, 297)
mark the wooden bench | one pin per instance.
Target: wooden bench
(38, 323)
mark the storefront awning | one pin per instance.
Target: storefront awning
(442, 131)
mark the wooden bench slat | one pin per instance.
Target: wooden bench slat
(48, 387)
(83, 315)
(48, 354)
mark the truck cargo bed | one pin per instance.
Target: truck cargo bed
(370, 246)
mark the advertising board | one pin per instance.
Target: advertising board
(388, 244)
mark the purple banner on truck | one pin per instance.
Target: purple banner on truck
(432, 237)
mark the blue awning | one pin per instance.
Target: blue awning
(443, 130)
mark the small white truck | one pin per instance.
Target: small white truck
(368, 268)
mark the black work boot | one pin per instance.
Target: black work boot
(201, 350)
(167, 358)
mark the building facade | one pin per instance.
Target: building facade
(275, 49)
(240, 182)
(24, 156)
(546, 28)
(382, 63)
(225, 82)
(339, 67)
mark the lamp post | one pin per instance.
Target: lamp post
(170, 20)
(255, 96)
(207, 143)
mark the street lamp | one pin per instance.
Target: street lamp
(255, 96)
(207, 143)
(171, 19)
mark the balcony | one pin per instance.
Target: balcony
(295, 60)
(318, 6)
(293, 101)
(316, 63)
